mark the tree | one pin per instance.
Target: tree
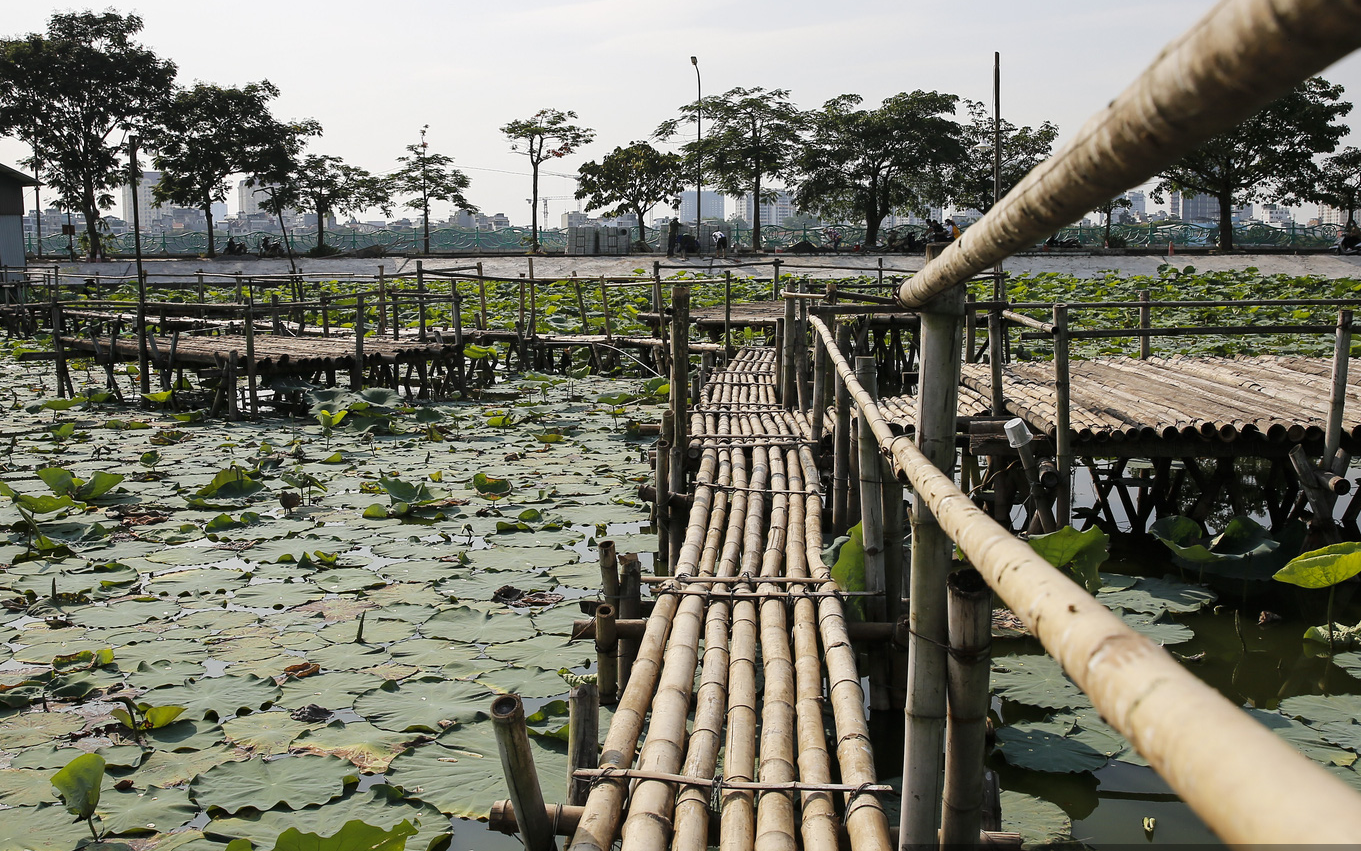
(631, 180)
(210, 133)
(1023, 148)
(544, 135)
(1267, 157)
(752, 134)
(1108, 209)
(429, 177)
(326, 185)
(72, 94)
(1337, 183)
(866, 163)
(275, 167)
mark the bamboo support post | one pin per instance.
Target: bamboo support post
(630, 606)
(970, 328)
(818, 411)
(482, 298)
(932, 552)
(522, 778)
(609, 573)
(680, 388)
(789, 392)
(357, 369)
(727, 317)
(841, 459)
(325, 314)
(871, 499)
(897, 576)
(251, 389)
(661, 506)
(583, 739)
(143, 356)
(233, 359)
(382, 303)
(1342, 345)
(64, 388)
(1145, 324)
(1063, 404)
(605, 308)
(970, 616)
(606, 653)
(532, 331)
(274, 322)
(238, 288)
(581, 305)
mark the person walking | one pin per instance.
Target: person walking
(672, 233)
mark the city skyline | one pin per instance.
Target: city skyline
(372, 97)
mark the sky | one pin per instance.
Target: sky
(374, 74)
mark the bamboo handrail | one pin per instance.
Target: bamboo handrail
(1241, 56)
(1208, 750)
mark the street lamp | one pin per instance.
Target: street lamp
(699, 172)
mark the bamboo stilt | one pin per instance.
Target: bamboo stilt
(1337, 403)
(583, 742)
(357, 369)
(841, 462)
(1063, 432)
(966, 729)
(517, 762)
(606, 653)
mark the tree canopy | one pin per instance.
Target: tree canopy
(1337, 183)
(630, 180)
(1023, 148)
(547, 134)
(752, 134)
(209, 133)
(429, 177)
(1266, 157)
(72, 93)
(326, 185)
(867, 163)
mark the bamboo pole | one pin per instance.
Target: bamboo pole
(871, 501)
(1207, 750)
(583, 739)
(382, 303)
(1239, 57)
(605, 308)
(251, 397)
(932, 553)
(737, 817)
(1145, 323)
(482, 298)
(420, 300)
(631, 607)
(606, 653)
(818, 409)
(357, 370)
(1063, 431)
(727, 317)
(1337, 403)
(662, 505)
(680, 388)
(841, 457)
(966, 729)
(517, 763)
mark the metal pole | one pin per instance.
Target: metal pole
(699, 171)
(135, 177)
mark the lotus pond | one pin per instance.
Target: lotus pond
(298, 623)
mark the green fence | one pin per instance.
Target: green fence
(516, 240)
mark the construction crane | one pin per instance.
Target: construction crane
(546, 199)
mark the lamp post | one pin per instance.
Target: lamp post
(699, 172)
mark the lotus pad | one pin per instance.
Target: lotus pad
(151, 811)
(264, 733)
(428, 705)
(296, 782)
(1038, 821)
(220, 697)
(473, 626)
(382, 806)
(366, 746)
(1036, 681)
(45, 828)
(1044, 747)
(465, 780)
(36, 728)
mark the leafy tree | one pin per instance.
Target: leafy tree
(1265, 157)
(752, 134)
(1108, 209)
(210, 133)
(1023, 148)
(631, 180)
(866, 163)
(274, 168)
(72, 93)
(429, 177)
(1337, 183)
(326, 185)
(544, 135)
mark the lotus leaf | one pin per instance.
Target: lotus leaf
(1157, 628)
(219, 697)
(1315, 710)
(336, 690)
(472, 626)
(165, 768)
(1036, 681)
(347, 657)
(1350, 662)
(52, 757)
(23, 787)
(1305, 738)
(1155, 596)
(150, 811)
(348, 580)
(184, 735)
(1039, 822)
(1046, 747)
(36, 728)
(529, 682)
(1324, 567)
(264, 733)
(550, 651)
(428, 705)
(260, 784)
(1083, 551)
(78, 784)
(464, 781)
(276, 595)
(46, 828)
(369, 748)
(381, 806)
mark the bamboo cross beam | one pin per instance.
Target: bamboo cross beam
(1241, 56)
(721, 783)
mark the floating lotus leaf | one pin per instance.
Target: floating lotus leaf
(24, 787)
(427, 570)
(1349, 662)
(409, 612)
(299, 640)
(163, 672)
(264, 733)
(52, 757)
(472, 626)
(347, 580)
(1038, 821)
(376, 631)
(1045, 747)
(1157, 628)
(1344, 734)
(557, 620)
(45, 828)
(165, 769)
(1083, 552)
(244, 650)
(337, 608)
(522, 558)
(480, 586)
(184, 735)
(1036, 681)
(150, 811)
(276, 595)
(336, 690)
(367, 747)
(1156, 596)
(199, 582)
(1323, 709)
(131, 655)
(528, 682)
(381, 806)
(36, 728)
(412, 593)
(1306, 739)
(217, 618)
(1324, 567)
(220, 697)
(548, 651)
(392, 671)
(258, 784)
(192, 556)
(427, 705)
(465, 779)
(347, 657)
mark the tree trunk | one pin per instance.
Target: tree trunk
(1226, 220)
(91, 212)
(642, 231)
(872, 219)
(208, 217)
(755, 214)
(321, 229)
(1109, 210)
(533, 211)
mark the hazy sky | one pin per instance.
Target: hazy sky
(372, 73)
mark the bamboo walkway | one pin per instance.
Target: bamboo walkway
(735, 602)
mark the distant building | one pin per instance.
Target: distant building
(772, 212)
(1331, 215)
(1138, 203)
(712, 207)
(1192, 208)
(1276, 214)
(575, 219)
(968, 216)
(12, 185)
(935, 214)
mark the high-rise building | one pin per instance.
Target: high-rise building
(1331, 215)
(1276, 214)
(712, 205)
(1138, 203)
(145, 203)
(772, 212)
(1190, 208)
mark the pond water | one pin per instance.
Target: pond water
(230, 554)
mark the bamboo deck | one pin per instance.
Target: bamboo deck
(755, 521)
(274, 354)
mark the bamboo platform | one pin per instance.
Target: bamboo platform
(274, 354)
